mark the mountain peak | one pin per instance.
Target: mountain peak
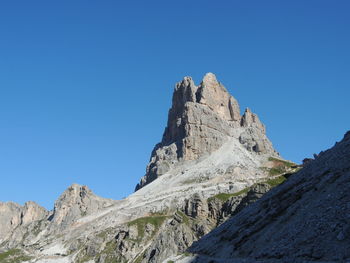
(210, 79)
(77, 189)
(215, 96)
(201, 119)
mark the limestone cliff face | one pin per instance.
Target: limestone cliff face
(200, 121)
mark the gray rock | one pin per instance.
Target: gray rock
(10, 218)
(196, 207)
(250, 119)
(13, 215)
(202, 118)
(77, 201)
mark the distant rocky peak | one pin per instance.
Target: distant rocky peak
(75, 193)
(75, 202)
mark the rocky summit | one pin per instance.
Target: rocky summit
(201, 120)
(215, 190)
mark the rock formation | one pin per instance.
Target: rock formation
(77, 201)
(13, 215)
(202, 118)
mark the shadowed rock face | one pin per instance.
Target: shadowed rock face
(200, 121)
(305, 219)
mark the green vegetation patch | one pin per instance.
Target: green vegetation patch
(283, 162)
(224, 196)
(280, 166)
(105, 233)
(277, 170)
(276, 181)
(13, 256)
(83, 259)
(185, 218)
(141, 223)
(110, 254)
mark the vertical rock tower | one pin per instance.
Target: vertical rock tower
(201, 119)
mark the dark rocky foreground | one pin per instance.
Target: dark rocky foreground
(305, 219)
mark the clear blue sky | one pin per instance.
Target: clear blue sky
(85, 86)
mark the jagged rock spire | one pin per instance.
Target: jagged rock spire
(210, 97)
(251, 119)
(200, 120)
(215, 96)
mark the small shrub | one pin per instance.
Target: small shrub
(13, 256)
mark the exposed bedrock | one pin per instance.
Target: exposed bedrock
(200, 121)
